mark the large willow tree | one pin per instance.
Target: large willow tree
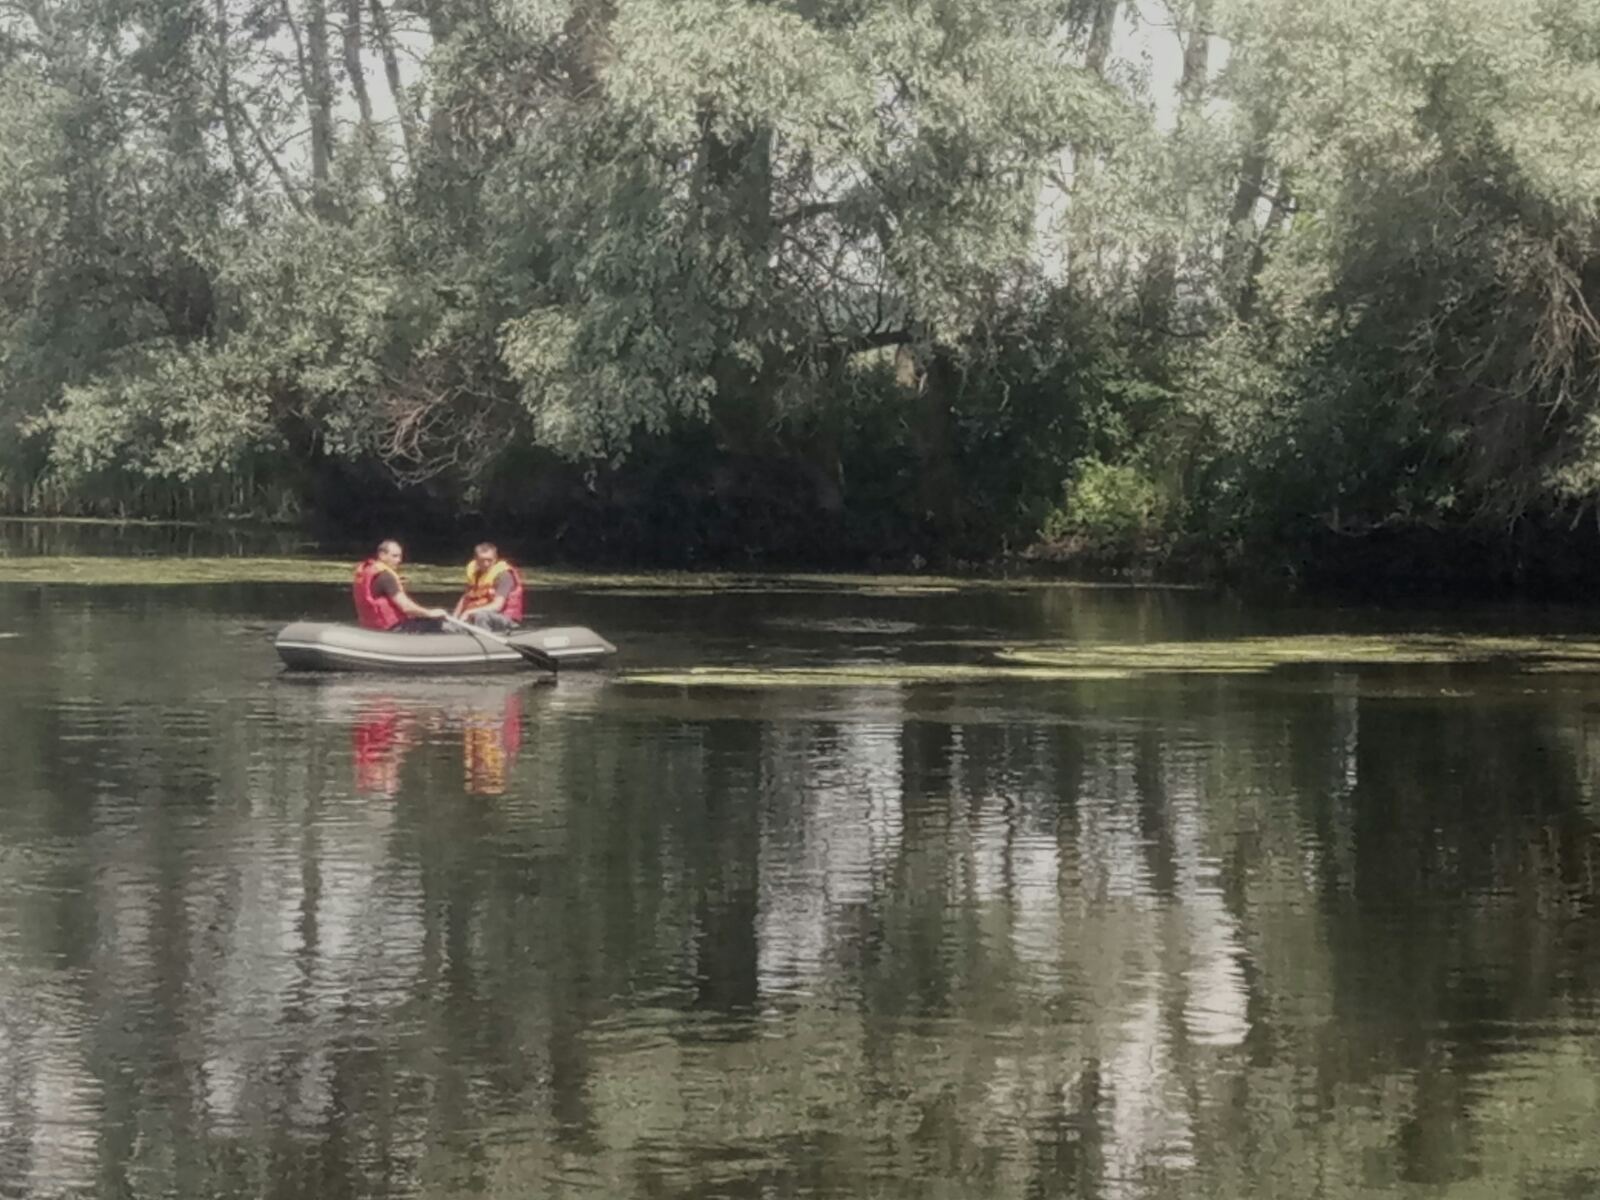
(579, 222)
(1241, 270)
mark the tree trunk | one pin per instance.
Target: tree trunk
(371, 141)
(1242, 236)
(318, 101)
(437, 13)
(441, 128)
(1196, 57)
(734, 196)
(586, 33)
(384, 35)
(1159, 294)
(934, 436)
(319, 98)
(243, 174)
(1250, 291)
(1102, 25)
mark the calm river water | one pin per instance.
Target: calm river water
(867, 909)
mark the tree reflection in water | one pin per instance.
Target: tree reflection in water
(1331, 932)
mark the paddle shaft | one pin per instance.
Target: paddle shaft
(537, 657)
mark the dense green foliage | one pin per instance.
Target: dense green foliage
(812, 279)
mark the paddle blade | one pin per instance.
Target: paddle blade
(534, 655)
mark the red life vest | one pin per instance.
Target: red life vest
(373, 611)
(480, 590)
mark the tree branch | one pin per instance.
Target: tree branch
(272, 161)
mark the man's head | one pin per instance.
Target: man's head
(389, 552)
(485, 555)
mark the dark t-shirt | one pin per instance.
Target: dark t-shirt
(384, 583)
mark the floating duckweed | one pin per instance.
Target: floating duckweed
(637, 593)
(167, 570)
(845, 625)
(90, 571)
(1265, 654)
(1563, 666)
(865, 675)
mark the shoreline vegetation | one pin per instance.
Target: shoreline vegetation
(244, 549)
(714, 283)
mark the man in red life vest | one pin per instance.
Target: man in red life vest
(493, 599)
(381, 600)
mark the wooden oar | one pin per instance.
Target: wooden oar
(534, 655)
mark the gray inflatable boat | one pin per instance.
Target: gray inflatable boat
(325, 646)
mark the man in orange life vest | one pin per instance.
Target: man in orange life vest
(493, 599)
(381, 600)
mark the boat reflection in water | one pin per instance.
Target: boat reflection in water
(389, 718)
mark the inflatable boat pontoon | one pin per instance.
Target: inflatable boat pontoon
(324, 646)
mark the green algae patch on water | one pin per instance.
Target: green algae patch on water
(850, 626)
(1563, 666)
(170, 570)
(157, 571)
(668, 583)
(153, 571)
(1261, 654)
(909, 589)
(175, 572)
(866, 675)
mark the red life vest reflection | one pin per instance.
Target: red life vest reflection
(389, 724)
(378, 743)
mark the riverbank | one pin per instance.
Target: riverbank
(1467, 563)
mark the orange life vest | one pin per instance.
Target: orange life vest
(374, 612)
(480, 589)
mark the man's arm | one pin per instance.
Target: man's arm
(412, 609)
(388, 585)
